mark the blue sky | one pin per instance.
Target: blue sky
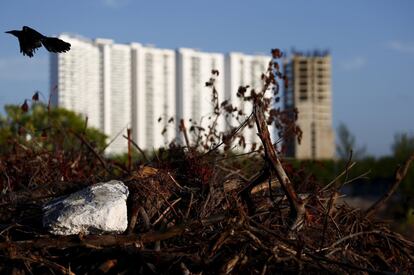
(372, 46)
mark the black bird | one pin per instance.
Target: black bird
(30, 40)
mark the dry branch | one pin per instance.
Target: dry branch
(399, 176)
(137, 147)
(98, 156)
(101, 241)
(297, 206)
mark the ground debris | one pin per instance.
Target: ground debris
(181, 225)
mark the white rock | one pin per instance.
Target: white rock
(100, 208)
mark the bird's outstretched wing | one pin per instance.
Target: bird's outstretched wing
(55, 45)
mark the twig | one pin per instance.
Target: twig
(129, 150)
(189, 206)
(46, 262)
(350, 237)
(64, 242)
(327, 214)
(84, 141)
(137, 147)
(348, 265)
(171, 206)
(297, 206)
(362, 176)
(185, 134)
(166, 211)
(326, 187)
(347, 167)
(145, 218)
(134, 216)
(399, 176)
(174, 181)
(240, 127)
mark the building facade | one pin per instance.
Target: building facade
(310, 91)
(194, 98)
(116, 87)
(118, 96)
(76, 80)
(244, 70)
(149, 90)
(153, 96)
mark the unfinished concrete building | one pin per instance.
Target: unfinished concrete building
(310, 91)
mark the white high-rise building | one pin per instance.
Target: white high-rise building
(153, 96)
(118, 86)
(120, 96)
(194, 98)
(147, 89)
(93, 79)
(76, 79)
(244, 70)
(142, 87)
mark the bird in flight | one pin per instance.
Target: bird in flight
(30, 40)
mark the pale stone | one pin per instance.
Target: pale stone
(100, 208)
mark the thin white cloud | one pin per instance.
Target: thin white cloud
(402, 47)
(24, 69)
(115, 3)
(352, 64)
